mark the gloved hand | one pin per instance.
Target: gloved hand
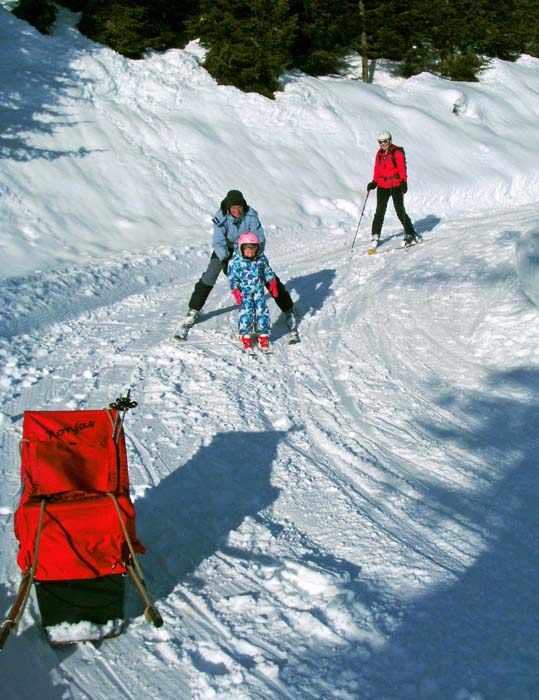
(224, 263)
(272, 286)
(372, 185)
(404, 187)
(237, 295)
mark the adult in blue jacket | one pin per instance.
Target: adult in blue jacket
(233, 218)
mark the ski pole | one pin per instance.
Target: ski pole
(360, 217)
(122, 403)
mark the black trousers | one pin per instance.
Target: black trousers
(205, 284)
(382, 198)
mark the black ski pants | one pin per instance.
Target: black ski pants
(382, 198)
(206, 283)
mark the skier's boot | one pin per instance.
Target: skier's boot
(291, 320)
(375, 239)
(263, 341)
(191, 318)
(246, 341)
(410, 238)
(187, 323)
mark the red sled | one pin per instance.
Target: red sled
(75, 523)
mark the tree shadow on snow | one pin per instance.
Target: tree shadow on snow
(482, 634)
(187, 517)
(29, 96)
(477, 638)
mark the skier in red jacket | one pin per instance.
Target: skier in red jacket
(390, 177)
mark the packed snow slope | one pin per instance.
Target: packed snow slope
(350, 518)
(101, 154)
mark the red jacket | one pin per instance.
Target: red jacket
(389, 168)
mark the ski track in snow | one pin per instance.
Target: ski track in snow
(296, 507)
(350, 518)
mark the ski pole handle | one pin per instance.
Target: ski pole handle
(122, 403)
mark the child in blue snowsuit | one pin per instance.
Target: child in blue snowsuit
(248, 271)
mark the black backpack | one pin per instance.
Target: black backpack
(401, 149)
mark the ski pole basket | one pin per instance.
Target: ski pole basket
(75, 522)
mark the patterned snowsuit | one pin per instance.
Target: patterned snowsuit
(249, 276)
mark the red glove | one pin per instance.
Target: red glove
(272, 286)
(237, 295)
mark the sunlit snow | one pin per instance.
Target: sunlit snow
(353, 517)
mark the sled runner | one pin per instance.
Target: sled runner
(75, 522)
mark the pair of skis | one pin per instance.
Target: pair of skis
(292, 336)
(255, 349)
(373, 250)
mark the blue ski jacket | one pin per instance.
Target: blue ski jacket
(227, 230)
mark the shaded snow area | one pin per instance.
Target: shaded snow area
(350, 518)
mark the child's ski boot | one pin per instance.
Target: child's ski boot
(247, 344)
(263, 342)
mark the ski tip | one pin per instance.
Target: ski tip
(371, 251)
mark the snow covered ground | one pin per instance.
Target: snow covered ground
(351, 518)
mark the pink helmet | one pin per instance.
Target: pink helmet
(248, 237)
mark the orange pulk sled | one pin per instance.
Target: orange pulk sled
(75, 524)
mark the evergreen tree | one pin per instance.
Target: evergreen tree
(326, 30)
(173, 15)
(127, 28)
(387, 26)
(251, 42)
(500, 35)
(76, 5)
(41, 14)
(445, 38)
(526, 18)
(248, 41)
(132, 27)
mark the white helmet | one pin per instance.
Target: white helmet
(384, 136)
